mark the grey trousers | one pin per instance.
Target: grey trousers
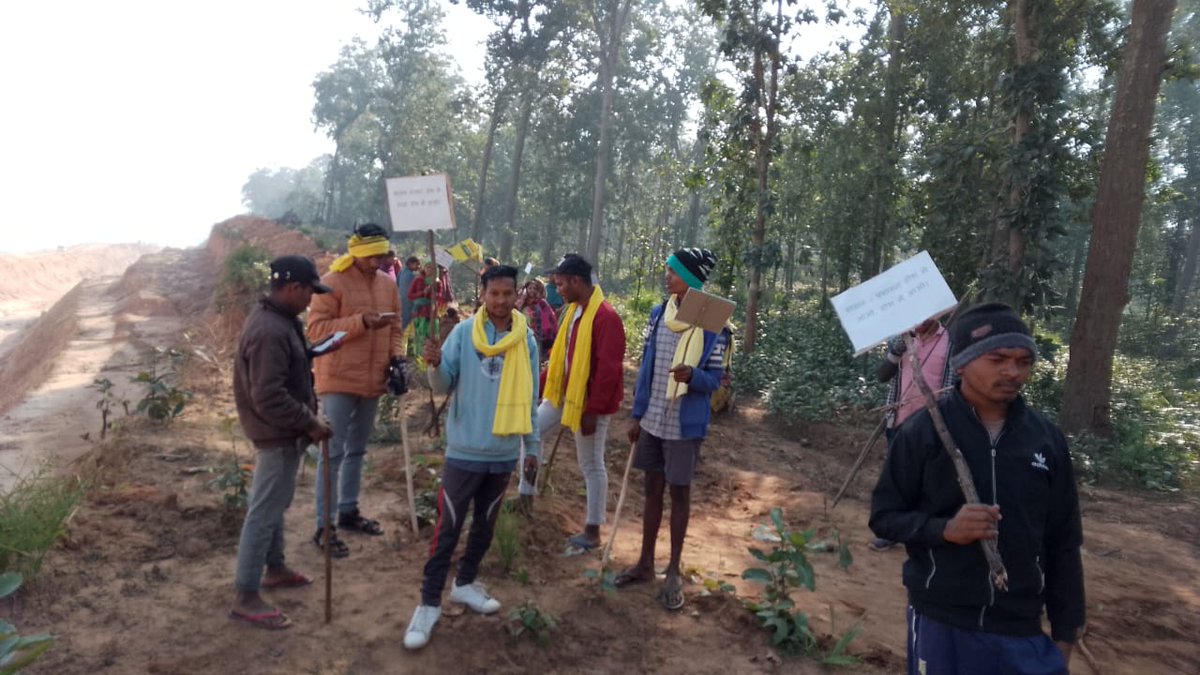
(262, 532)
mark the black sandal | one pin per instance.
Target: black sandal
(337, 547)
(356, 522)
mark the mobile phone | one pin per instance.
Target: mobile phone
(386, 315)
(329, 342)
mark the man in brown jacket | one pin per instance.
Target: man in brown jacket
(272, 384)
(364, 304)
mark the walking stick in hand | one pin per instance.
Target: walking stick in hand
(326, 532)
(612, 536)
(991, 550)
(408, 477)
(544, 476)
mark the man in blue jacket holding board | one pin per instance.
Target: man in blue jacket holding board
(490, 362)
(681, 367)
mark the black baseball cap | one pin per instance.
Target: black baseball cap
(300, 269)
(572, 265)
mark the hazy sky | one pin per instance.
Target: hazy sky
(134, 120)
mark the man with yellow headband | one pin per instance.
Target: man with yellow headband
(682, 366)
(490, 363)
(365, 305)
(585, 382)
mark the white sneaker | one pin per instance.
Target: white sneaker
(475, 596)
(421, 626)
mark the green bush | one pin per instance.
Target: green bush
(161, 400)
(17, 652)
(786, 567)
(804, 367)
(634, 311)
(1155, 417)
(244, 276)
(33, 515)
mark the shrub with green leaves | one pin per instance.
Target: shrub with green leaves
(33, 515)
(161, 400)
(17, 652)
(530, 621)
(1155, 440)
(243, 277)
(786, 568)
(507, 536)
(804, 367)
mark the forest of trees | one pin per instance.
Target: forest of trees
(977, 130)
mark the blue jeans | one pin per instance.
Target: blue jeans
(352, 418)
(271, 493)
(937, 649)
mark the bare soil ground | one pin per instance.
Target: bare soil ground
(144, 580)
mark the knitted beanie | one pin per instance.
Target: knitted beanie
(693, 265)
(987, 327)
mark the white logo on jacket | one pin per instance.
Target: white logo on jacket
(1039, 462)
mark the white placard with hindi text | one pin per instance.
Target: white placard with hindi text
(418, 203)
(892, 302)
(443, 257)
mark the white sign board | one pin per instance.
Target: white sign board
(893, 302)
(443, 258)
(418, 203)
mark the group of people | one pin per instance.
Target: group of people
(518, 371)
(516, 374)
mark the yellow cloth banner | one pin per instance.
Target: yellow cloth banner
(466, 250)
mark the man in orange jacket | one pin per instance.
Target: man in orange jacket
(364, 304)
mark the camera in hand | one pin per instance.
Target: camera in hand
(397, 381)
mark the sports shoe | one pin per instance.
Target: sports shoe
(475, 596)
(421, 626)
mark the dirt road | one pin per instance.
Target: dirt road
(143, 583)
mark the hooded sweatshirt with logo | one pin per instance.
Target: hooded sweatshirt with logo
(1027, 472)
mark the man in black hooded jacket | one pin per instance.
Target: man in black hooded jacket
(958, 622)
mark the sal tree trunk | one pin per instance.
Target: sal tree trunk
(486, 163)
(1116, 217)
(514, 187)
(609, 27)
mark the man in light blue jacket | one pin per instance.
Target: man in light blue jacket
(490, 363)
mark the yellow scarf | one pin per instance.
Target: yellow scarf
(360, 247)
(516, 381)
(688, 350)
(581, 367)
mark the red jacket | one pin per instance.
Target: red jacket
(606, 382)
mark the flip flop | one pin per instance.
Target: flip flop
(579, 542)
(631, 576)
(295, 580)
(273, 620)
(671, 595)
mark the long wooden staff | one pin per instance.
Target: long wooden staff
(434, 333)
(408, 477)
(862, 457)
(991, 550)
(544, 476)
(327, 531)
(612, 537)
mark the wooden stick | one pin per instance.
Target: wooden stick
(991, 550)
(434, 333)
(612, 536)
(327, 531)
(433, 429)
(1087, 656)
(544, 476)
(408, 477)
(862, 457)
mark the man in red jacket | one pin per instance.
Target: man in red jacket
(584, 383)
